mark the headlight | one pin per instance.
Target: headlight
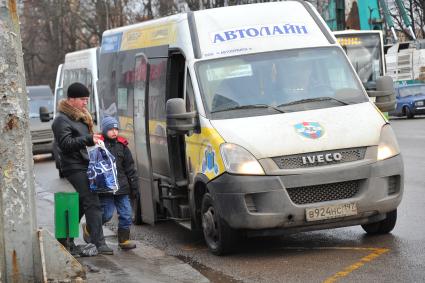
(388, 146)
(238, 160)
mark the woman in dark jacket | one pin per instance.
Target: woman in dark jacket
(127, 182)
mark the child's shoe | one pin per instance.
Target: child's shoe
(124, 239)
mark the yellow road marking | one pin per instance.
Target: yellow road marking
(196, 246)
(189, 248)
(376, 252)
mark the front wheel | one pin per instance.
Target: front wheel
(409, 113)
(384, 226)
(220, 238)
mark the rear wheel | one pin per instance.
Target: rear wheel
(382, 227)
(220, 238)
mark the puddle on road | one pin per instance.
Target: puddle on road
(213, 275)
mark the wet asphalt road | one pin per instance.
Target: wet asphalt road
(342, 255)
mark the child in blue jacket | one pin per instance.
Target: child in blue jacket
(127, 183)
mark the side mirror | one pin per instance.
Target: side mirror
(384, 94)
(179, 122)
(44, 114)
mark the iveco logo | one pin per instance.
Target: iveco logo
(322, 158)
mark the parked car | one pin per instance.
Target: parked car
(40, 101)
(410, 100)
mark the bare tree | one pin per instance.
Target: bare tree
(420, 13)
(52, 28)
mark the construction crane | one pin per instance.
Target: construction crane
(362, 15)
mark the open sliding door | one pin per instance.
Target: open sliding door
(141, 137)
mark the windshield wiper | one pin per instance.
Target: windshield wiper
(250, 106)
(307, 100)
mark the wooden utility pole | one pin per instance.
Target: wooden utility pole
(18, 243)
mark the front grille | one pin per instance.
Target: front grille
(42, 135)
(298, 160)
(325, 192)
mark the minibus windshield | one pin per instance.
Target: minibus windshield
(285, 81)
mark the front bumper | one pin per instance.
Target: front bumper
(419, 110)
(262, 202)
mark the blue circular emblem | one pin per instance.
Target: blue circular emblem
(311, 130)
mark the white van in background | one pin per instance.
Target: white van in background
(80, 66)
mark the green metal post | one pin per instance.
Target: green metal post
(405, 17)
(388, 19)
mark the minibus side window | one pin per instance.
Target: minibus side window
(107, 84)
(190, 96)
(125, 82)
(157, 117)
(157, 85)
(60, 94)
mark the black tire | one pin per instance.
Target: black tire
(409, 113)
(136, 209)
(220, 238)
(61, 174)
(382, 227)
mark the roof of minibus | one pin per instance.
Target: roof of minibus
(146, 34)
(228, 31)
(86, 58)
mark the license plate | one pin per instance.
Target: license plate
(331, 211)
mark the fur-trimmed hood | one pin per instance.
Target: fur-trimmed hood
(76, 114)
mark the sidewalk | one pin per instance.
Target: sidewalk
(143, 264)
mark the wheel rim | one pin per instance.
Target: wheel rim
(210, 227)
